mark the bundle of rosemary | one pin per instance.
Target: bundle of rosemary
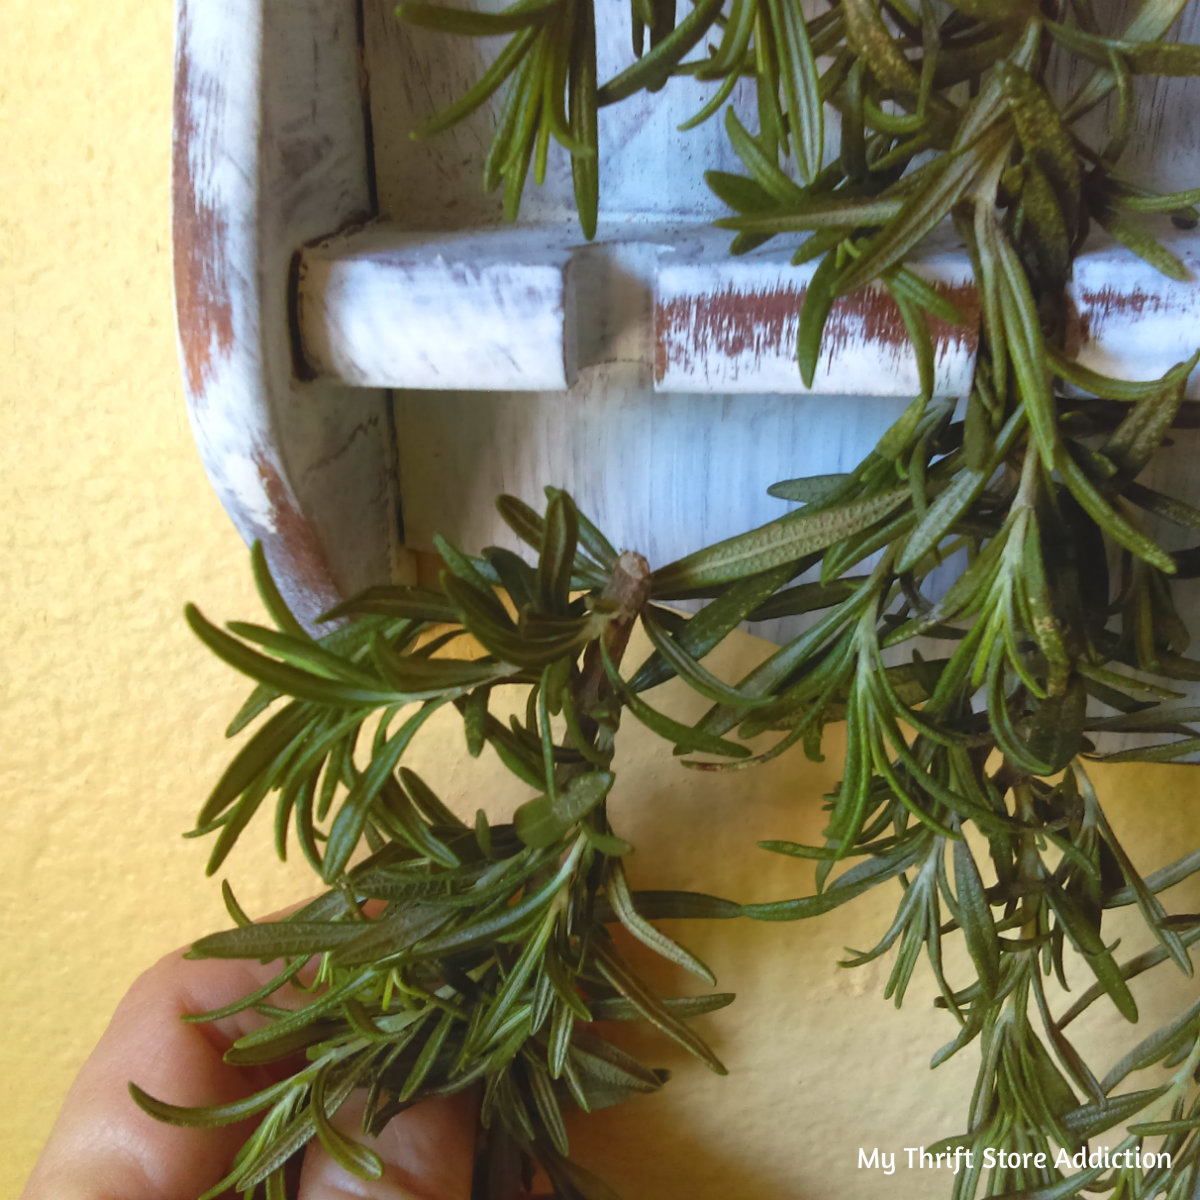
(454, 955)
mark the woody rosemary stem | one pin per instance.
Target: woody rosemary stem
(628, 589)
(1029, 870)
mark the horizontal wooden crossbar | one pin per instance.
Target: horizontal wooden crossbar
(524, 309)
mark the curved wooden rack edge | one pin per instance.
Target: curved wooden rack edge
(271, 151)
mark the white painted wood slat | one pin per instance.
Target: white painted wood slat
(486, 311)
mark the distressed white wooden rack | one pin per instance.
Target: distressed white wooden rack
(370, 355)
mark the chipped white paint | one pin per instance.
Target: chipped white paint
(488, 311)
(243, 480)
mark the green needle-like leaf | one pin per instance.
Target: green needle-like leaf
(922, 213)
(778, 543)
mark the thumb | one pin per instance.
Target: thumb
(428, 1153)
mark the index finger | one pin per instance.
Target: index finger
(102, 1144)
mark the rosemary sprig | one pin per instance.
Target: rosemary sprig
(454, 954)
(451, 955)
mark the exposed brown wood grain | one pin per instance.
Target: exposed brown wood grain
(204, 310)
(1096, 305)
(730, 322)
(293, 548)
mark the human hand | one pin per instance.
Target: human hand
(103, 1147)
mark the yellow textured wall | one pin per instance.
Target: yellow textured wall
(112, 714)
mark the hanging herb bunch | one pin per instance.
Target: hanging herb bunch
(455, 956)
